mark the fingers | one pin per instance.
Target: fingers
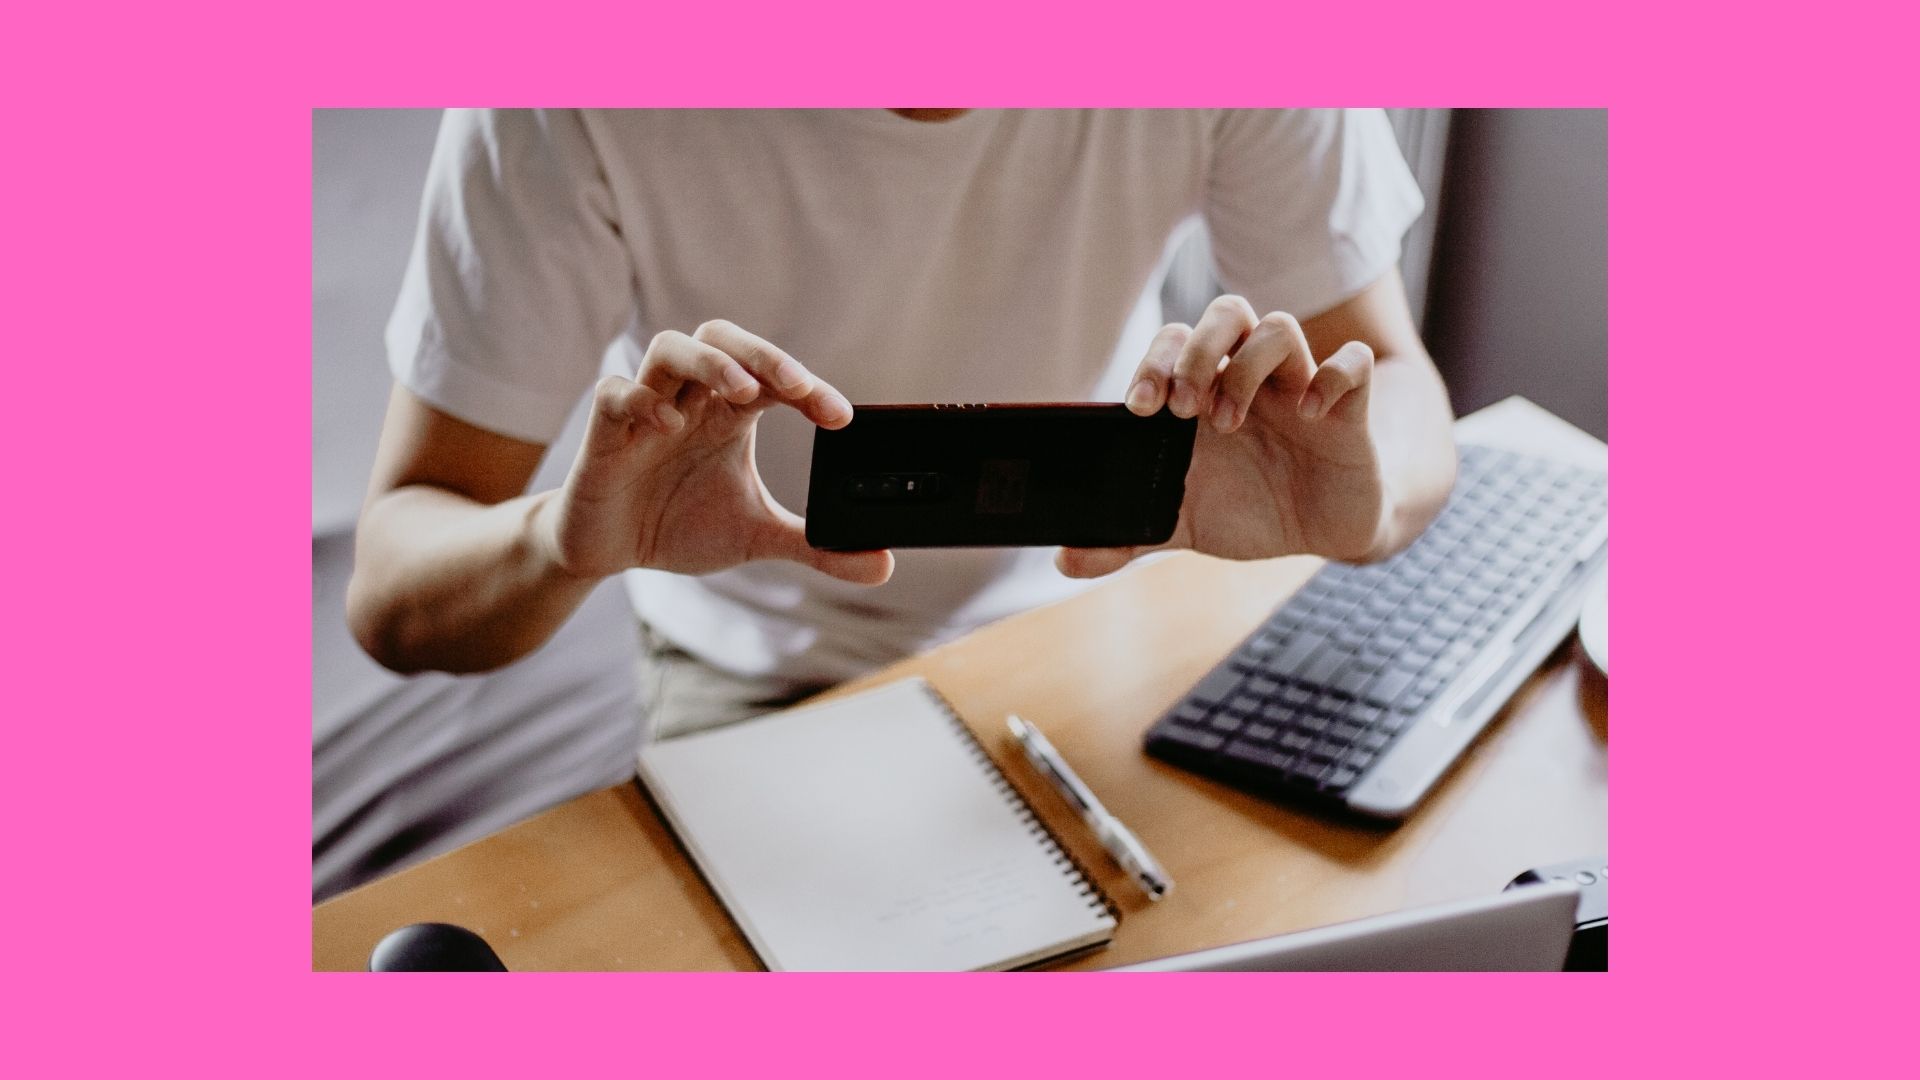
(785, 537)
(675, 361)
(1226, 323)
(785, 376)
(1216, 369)
(1341, 386)
(621, 404)
(1277, 352)
(1155, 374)
(740, 367)
(1094, 562)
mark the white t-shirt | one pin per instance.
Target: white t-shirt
(1000, 256)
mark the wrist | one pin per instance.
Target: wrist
(540, 541)
(1389, 534)
(1407, 506)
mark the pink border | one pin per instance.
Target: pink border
(158, 225)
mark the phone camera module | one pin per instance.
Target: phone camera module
(894, 487)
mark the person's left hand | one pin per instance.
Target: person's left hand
(1283, 463)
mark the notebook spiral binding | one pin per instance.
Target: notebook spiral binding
(1096, 897)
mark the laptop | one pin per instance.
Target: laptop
(1523, 929)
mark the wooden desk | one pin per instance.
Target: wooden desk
(599, 883)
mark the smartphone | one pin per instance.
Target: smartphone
(1078, 475)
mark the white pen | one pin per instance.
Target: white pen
(1126, 848)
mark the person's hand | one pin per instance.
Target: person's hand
(666, 478)
(1283, 463)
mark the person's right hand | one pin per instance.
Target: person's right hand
(666, 478)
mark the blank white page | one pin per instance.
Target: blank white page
(867, 834)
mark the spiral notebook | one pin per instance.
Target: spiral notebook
(873, 833)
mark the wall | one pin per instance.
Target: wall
(1518, 301)
(368, 169)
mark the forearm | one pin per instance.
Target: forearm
(1411, 423)
(444, 583)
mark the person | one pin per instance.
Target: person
(780, 265)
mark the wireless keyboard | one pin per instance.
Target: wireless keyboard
(1364, 686)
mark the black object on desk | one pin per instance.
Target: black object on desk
(1362, 688)
(434, 947)
(1589, 949)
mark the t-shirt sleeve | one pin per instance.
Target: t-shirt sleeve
(519, 278)
(1305, 208)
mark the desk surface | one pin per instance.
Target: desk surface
(599, 882)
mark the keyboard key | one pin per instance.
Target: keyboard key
(1352, 679)
(1453, 657)
(1389, 687)
(1258, 755)
(1200, 740)
(1298, 741)
(1243, 704)
(1323, 666)
(1219, 683)
(1342, 777)
(1285, 620)
(1319, 626)
(1298, 651)
(1226, 722)
(1260, 732)
(1309, 772)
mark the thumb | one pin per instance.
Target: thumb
(859, 567)
(786, 538)
(1094, 562)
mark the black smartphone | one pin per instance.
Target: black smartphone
(997, 476)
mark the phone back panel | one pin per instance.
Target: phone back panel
(997, 476)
